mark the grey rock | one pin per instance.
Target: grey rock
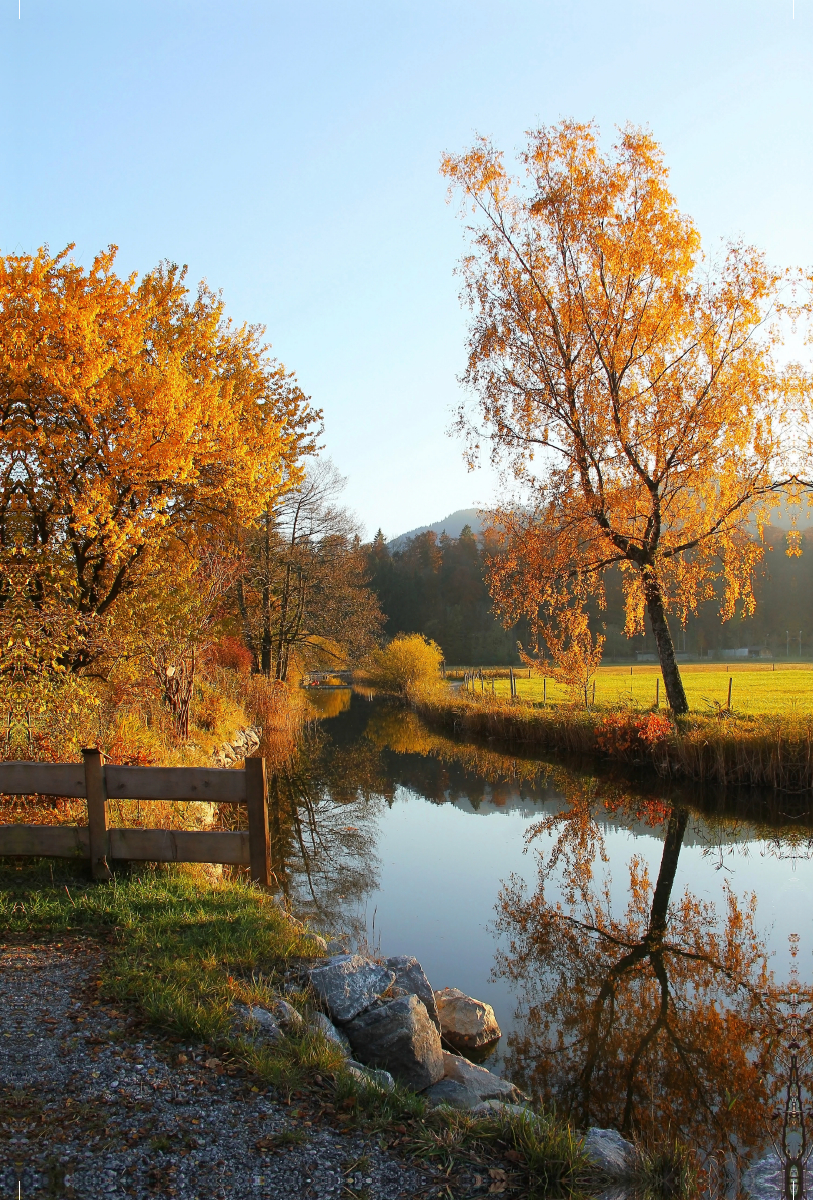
(258, 1022)
(490, 1108)
(608, 1151)
(401, 1038)
(369, 1075)
(410, 976)
(763, 1180)
(287, 1016)
(328, 1029)
(478, 1080)
(452, 1093)
(348, 984)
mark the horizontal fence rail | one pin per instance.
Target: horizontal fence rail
(96, 782)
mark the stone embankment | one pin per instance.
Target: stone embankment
(392, 1026)
(244, 743)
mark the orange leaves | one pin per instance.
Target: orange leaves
(131, 411)
(627, 735)
(627, 384)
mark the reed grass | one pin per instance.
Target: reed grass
(730, 748)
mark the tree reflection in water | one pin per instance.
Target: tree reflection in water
(323, 804)
(660, 1018)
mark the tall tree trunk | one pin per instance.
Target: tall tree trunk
(672, 682)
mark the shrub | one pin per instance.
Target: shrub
(230, 652)
(409, 664)
(632, 735)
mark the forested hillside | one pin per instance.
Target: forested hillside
(436, 586)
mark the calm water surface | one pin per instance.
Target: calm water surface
(644, 948)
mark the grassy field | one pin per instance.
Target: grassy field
(756, 688)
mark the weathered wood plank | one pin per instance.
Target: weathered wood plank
(97, 813)
(139, 845)
(49, 779)
(177, 783)
(257, 801)
(45, 841)
(180, 845)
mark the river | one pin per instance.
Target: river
(644, 946)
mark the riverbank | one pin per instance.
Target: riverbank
(728, 748)
(132, 990)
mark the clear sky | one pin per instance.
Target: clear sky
(288, 152)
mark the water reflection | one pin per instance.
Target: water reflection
(650, 1007)
(645, 1020)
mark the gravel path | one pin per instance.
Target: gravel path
(93, 1107)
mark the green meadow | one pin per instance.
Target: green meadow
(774, 688)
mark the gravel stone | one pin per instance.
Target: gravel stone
(93, 1106)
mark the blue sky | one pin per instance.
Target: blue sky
(289, 154)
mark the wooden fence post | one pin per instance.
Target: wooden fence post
(259, 842)
(97, 813)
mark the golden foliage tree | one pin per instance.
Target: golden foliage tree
(132, 417)
(626, 382)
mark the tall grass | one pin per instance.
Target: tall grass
(774, 751)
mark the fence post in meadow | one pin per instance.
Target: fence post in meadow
(259, 842)
(544, 690)
(96, 793)
(730, 681)
(513, 687)
(657, 693)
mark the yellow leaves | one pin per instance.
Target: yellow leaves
(645, 384)
(138, 413)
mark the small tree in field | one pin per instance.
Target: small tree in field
(575, 654)
(621, 379)
(409, 663)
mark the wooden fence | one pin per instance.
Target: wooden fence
(96, 782)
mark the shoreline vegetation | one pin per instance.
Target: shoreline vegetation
(730, 748)
(722, 746)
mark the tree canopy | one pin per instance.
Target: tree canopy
(134, 417)
(625, 380)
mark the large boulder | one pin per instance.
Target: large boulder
(464, 1022)
(347, 984)
(452, 1094)
(608, 1151)
(482, 1083)
(400, 1038)
(410, 978)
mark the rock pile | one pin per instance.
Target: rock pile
(244, 743)
(395, 1025)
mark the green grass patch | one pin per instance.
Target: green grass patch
(180, 948)
(767, 688)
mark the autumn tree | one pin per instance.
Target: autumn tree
(131, 415)
(304, 588)
(625, 380)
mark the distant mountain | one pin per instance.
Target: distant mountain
(451, 525)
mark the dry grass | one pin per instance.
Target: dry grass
(774, 751)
